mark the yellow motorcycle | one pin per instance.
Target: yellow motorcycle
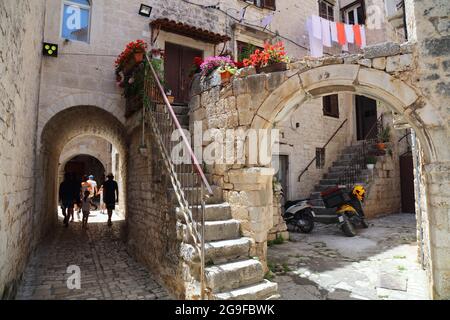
(347, 206)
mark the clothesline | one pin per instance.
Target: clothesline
(323, 32)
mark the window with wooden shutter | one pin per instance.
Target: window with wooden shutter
(331, 106)
(269, 4)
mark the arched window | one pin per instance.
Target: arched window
(76, 17)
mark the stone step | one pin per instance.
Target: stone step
(329, 181)
(193, 195)
(234, 275)
(222, 230)
(342, 163)
(323, 187)
(191, 178)
(337, 169)
(213, 212)
(223, 251)
(260, 291)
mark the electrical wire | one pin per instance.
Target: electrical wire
(216, 6)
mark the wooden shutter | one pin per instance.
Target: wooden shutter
(269, 4)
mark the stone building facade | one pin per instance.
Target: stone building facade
(22, 26)
(47, 102)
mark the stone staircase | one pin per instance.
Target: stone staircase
(231, 274)
(338, 170)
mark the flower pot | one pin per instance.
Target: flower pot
(139, 56)
(381, 146)
(225, 76)
(280, 66)
(370, 166)
(171, 99)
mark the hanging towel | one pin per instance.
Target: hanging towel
(341, 33)
(315, 45)
(357, 32)
(326, 33)
(316, 27)
(350, 36)
(363, 36)
(334, 35)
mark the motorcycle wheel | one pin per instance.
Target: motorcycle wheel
(364, 223)
(308, 219)
(347, 228)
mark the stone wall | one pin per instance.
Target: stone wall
(151, 220)
(427, 23)
(21, 26)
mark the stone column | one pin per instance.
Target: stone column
(427, 23)
(251, 202)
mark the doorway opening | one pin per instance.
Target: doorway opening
(366, 118)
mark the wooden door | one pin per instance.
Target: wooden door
(281, 162)
(178, 64)
(407, 183)
(366, 118)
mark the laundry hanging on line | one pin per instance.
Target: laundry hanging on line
(323, 32)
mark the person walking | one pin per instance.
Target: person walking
(102, 202)
(68, 194)
(86, 203)
(93, 190)
(110, 195)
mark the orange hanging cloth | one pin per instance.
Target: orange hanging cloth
(357, 32)
(342, 40)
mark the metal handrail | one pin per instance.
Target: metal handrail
(325, 145)
(189, 183)
(180, 130)
(375, 125)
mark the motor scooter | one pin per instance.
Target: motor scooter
(299, 215)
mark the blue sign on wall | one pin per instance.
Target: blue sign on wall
(75, 21)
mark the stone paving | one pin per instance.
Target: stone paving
(107, 271)
(379, 263)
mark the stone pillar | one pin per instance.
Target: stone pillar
(427, 23)
(251, 202)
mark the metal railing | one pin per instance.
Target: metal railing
(189, 187)
(353, 172)
(325, 145)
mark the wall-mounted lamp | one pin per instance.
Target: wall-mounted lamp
(145, 10)
(50, 49)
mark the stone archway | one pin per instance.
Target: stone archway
(258, 101)
(58, 131)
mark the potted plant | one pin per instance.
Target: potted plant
(226, 72)
(272, 58)
(384, 136)
(131, 56)
(370, 162)
(169, 95)
(211, 64)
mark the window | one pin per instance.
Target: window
(76, 17)
(244, 50)
(267, 4)
(326, 10)
(354, 13)
(320, 158)
(331, 106)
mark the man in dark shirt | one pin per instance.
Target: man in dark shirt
(68, 193)
(110, 195)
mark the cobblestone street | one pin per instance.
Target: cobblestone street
(379, 263)
(107, 271)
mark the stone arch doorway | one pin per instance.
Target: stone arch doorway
(402, 98)
(84, 164)
(65, 126)
(258, 101)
